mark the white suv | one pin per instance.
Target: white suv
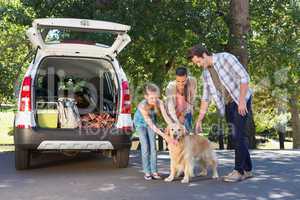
(81, 53)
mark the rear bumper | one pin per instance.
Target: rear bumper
(32, 138)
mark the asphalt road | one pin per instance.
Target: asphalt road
(55, 177)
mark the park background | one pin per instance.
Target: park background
(264, 36)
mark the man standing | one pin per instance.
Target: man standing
(226, 82)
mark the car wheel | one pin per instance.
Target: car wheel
(120, 158)
(22, 159)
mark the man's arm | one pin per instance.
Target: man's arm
(242, 107)
(238, 68)
(193, 91)
(203, 106)
(203, 109)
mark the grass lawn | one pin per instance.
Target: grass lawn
(6, 125)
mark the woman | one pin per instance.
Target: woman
(181, 95)
(144, 121)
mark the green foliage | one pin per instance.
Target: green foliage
(14, 12)
(161, 33)
(13, 45)
(161, 30)
(274, 58)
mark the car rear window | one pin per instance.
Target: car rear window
(77, 36)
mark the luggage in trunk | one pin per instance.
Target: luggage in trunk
(84, 90)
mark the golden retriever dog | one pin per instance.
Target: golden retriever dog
(185, 149)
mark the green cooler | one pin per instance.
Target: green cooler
(47, 114)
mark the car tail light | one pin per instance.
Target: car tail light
(21, 126)
(126, 104)
(25, 98)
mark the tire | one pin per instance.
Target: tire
(120, 158)
(22, 159)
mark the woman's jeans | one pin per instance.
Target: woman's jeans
(188, 121)
(148, 149)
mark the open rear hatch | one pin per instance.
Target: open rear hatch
(65, 37)
(73, 92)
(61, 34)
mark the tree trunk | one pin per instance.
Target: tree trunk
(221, 136)
(250, 130)
(238, 29)
(295, 120)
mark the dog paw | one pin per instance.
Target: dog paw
(203, 173)
(169, 179)
(216, 176)
(185, 180)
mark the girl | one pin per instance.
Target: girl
(144, 121)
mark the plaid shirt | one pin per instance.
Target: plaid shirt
(231, 74)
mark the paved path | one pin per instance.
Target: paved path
(88, 177)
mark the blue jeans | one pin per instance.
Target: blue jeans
(188, 121)
(238, 126)
(148, 149)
